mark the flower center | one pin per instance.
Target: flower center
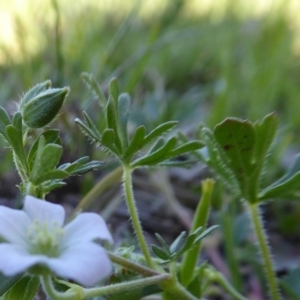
(45, 238)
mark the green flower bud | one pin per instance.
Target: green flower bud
(34, 91)
(44, 107)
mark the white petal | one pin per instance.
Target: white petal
(86, 263)
(86, 227)
(13, 225)
(44, 211)
(15, 259)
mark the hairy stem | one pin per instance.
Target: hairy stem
(265, 251)
(127, 176)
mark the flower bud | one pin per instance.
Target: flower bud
(44, 107)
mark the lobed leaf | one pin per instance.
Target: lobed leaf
(156, 156)
(158, 131)
(92, 84)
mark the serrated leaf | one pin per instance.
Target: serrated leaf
(135, 142)
(24, 289)
(123, 111)
(92, 84)
(156, 156)
(112, 122)
(15, 140)
(286, 185)
(176, 245)
(4, 121)
(237, 138)
(215, 157)
(158, 131)
(160, 253)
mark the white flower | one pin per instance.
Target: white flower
(35, 236)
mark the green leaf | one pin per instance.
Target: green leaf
(187, 147)
(52, 185)
(205, 233)
(158, 131)
(46, 160)
(156, 156)
(50, 136)
(160, 253)
(83, 168)
(51, 175)
(237, 138)
(163, 243)
(123, 111)
(214, 156)
(286, 185)
(7, 282)
(92, 84)
(25, 289)
(4, 121)
(114, 91)
(290, 284)
(93, 135)
(108, 138)
(15, 140)
(189, 242)
(91, 124)
(17, 122)
(176, 245)
(135, 142)
(265, 132)
(113, 122)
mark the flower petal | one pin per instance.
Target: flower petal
(86, 227)
(15, 259)
(13, 225)
(44, 211)
(86, 263)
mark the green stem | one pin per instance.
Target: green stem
(227, 216)
(125, 286)
(200, 219)
(131, 265)
(134, 215)
(50, 290)
(265, 251)
(214, 276)
(105, 183)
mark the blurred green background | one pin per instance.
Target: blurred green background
(189, 60)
